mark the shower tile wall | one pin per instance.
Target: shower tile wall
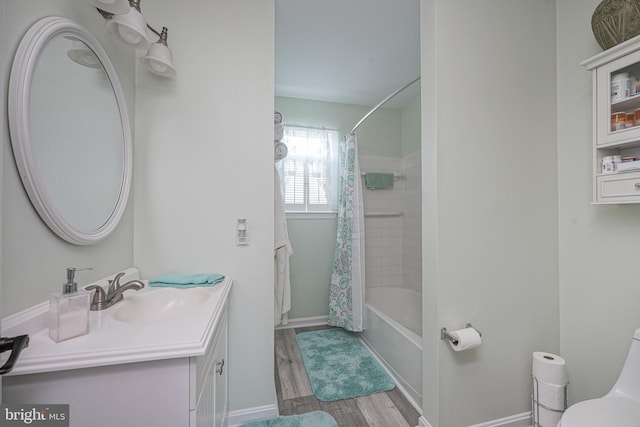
(383, 234)
(412, 233)
(393, 244)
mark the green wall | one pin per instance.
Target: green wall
(598, 297)
(490, 210)
(378, 135)
(205, 133)
(313, 242)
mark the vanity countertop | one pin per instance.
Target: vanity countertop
(112, 342)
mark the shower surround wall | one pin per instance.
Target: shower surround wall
(393, 310)
(383, 234)
(392, 224)
(412, 218)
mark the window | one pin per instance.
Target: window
(309, 172)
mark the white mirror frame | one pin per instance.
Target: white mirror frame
(20, 79)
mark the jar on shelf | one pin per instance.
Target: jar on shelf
(620, 87)
(618, 121)
(630, 120)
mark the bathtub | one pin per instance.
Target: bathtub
(393, 329)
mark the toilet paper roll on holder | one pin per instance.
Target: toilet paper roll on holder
(444, 335)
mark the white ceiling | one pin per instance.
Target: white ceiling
(347, 51)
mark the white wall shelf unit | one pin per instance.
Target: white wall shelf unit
(611, 137)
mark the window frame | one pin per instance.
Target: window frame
(307, 208)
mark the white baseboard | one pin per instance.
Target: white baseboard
(518, 420)
(241, 416)
(304, 322)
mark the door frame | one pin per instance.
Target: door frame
(5, 134)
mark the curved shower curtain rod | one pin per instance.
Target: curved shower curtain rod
(381, 103)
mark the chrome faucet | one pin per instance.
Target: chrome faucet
(104, 299)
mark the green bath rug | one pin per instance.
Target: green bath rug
(339, 366)
(310, 419)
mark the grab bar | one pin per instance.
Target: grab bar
(382, 213)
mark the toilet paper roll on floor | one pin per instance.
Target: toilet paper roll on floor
(546, 417)
(549, 395)
(466, 339)
(549, 368)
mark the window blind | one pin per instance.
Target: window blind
(308, 172)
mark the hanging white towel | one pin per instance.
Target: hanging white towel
(278, 132)
(282, 251)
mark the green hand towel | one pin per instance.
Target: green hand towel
(186, 280)
(374, 181)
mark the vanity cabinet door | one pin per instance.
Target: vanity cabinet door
(209, 382)
(609, 132)
(220, 379)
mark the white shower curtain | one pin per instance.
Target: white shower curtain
(346, 292)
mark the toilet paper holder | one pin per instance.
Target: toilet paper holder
(536, 405)
(444, 335)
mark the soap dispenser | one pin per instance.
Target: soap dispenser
(69, 310)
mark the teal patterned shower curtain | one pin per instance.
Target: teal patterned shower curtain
(346, 293)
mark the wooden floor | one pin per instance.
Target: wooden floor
(386, 409)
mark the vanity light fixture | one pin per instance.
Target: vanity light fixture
(131, 27)
(81, 54)
(159, 59)
(116, 7)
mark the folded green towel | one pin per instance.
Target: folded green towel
(377, 180)
(186, 280)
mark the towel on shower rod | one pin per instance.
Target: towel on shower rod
(377, 180)
(186, 280)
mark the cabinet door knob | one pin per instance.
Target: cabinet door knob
(637, 184)
(220, 367)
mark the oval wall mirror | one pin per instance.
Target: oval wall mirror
(70, 130)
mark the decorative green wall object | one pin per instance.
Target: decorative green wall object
(615, 21)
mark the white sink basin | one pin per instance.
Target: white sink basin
(159, 304)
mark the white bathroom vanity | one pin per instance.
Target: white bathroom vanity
(157, 358)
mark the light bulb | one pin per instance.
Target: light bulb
(131, 37)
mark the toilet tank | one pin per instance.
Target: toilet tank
(628, 383)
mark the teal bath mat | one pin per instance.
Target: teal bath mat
(310, 419)
(339, 366)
